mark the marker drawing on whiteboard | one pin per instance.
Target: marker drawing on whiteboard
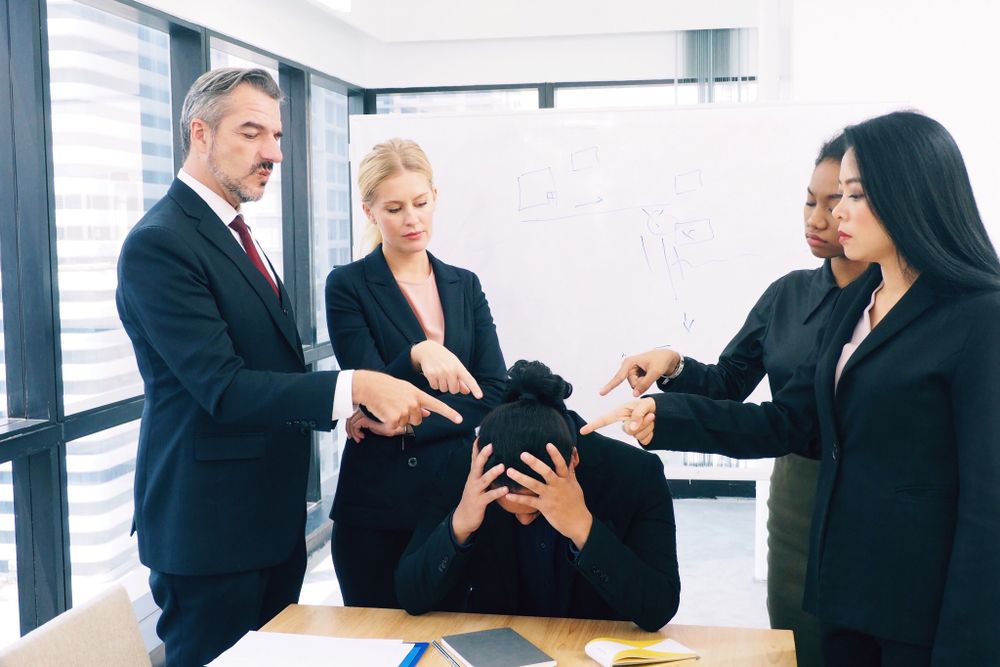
(666, 262)
(687, 182)
(645, 254)
(536, 188)
(693, 231)
(688, 323)
(585, 159)
(589, 203)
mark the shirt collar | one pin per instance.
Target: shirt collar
(821, 285)
(219, 206)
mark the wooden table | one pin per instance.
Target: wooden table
(562, 638)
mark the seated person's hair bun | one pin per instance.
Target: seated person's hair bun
(533, 381)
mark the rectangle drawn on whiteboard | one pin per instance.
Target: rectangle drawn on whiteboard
(585, 159)
(693, 231)
(536, 188)
(687, 182)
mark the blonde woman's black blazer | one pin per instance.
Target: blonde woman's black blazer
(383, 481)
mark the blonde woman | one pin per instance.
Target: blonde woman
(402, 311)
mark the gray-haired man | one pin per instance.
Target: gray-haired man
(224, 445)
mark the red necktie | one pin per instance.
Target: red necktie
(241, 228)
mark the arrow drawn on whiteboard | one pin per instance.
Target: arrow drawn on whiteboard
(589, 203)
(688, 323)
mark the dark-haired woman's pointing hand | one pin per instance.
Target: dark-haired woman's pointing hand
(638, 417)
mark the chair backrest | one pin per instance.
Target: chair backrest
(102, 631)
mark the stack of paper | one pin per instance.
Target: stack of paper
(268, 649)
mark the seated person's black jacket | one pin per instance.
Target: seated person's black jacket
(627, 569)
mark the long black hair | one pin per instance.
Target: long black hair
(917, 186)
(532, 414)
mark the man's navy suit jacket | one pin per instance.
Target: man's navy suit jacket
(223, 452)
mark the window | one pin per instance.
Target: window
(331, 187)
(10, 619)
(602, 97)
(264, 216)
(112, 159)
(503, 99)
(100, 470)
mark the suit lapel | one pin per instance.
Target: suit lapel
(842, 321)
(215, 231)
(917, 299)
(390, 298)
(450, 292)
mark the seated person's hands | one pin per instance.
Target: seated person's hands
(443, 370)
(559, 498)
(468, 516)
(638, 417)
(642, 370)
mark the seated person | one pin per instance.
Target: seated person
(542, 525)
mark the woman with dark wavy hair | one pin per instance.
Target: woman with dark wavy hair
(903, 402)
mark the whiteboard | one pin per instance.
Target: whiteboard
(598, 234)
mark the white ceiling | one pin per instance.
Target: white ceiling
(447, 20)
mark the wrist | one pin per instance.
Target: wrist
(676, 371)
(582, 534)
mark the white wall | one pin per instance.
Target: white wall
(941, 58)
(301, 32)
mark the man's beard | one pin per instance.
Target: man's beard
(234, 187)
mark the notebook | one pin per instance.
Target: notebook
(621, 652)
(500, 647)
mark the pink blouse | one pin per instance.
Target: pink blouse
(861, 331)
(425, 301)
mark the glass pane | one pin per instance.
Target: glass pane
(331, 194)
(112, 159)
(264, 216)
(3, 367)
(603, 97)
(100, 469)
(10, 619)
(458, 100)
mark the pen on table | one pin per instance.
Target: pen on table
(445, 653)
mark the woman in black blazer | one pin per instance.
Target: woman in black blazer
(402, 311)
(778, 336)
(903, 394)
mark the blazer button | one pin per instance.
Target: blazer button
(412, 462)
(443, 565)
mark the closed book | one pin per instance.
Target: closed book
(501, 647)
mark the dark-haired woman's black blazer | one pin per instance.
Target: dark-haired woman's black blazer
(383, 481)
(906, 527)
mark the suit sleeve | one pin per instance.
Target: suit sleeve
(741, 365)
(967, 631)
(354, 345)
(638, 576)
(166, 296)
(432, 566)
(788, 424)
